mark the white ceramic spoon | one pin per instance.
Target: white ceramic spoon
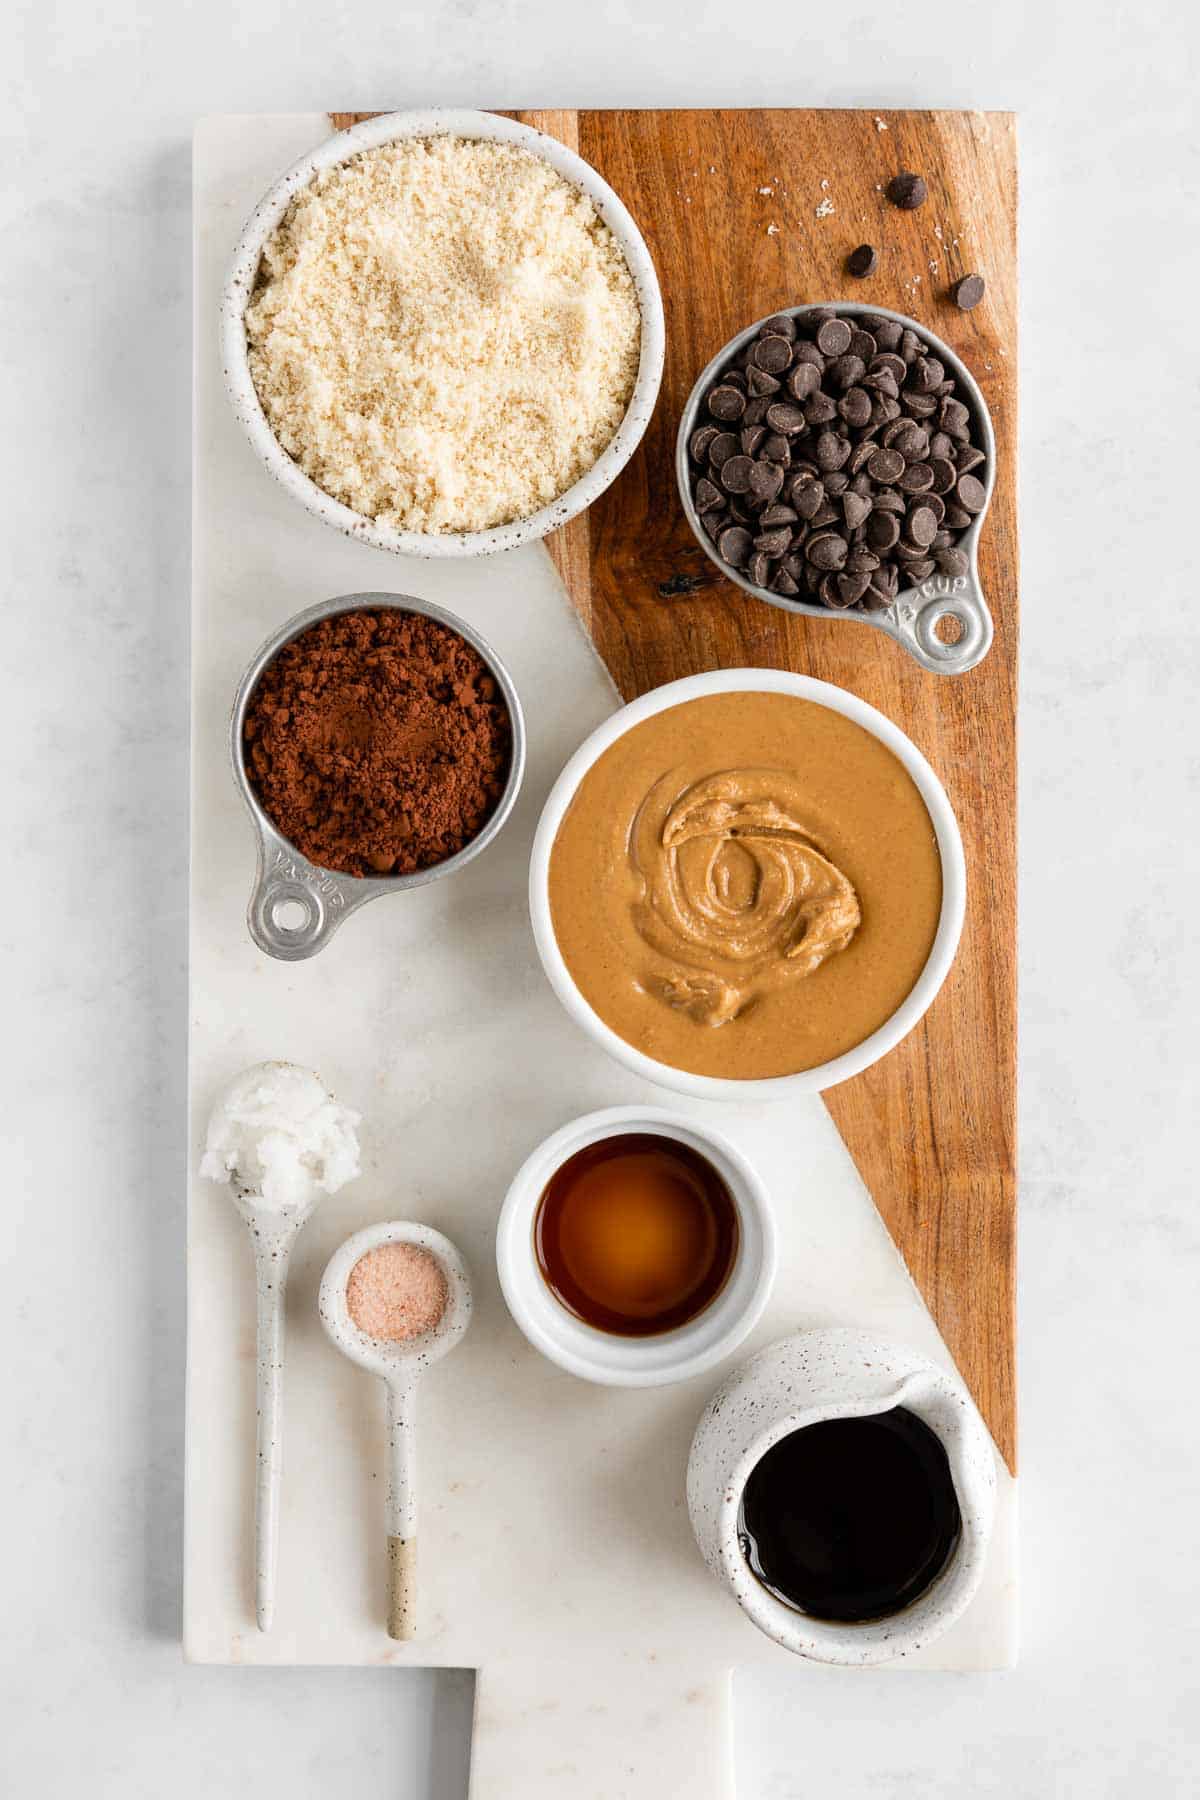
(273, 1235)
(276, 1129)
(398, 1363)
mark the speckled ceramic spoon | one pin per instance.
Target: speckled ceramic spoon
(273, 1234)
(399, 1364)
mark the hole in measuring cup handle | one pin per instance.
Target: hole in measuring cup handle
(944, 623)
(293, 911)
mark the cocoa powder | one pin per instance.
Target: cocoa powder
(377, 743)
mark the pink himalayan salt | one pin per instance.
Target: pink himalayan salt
(396, 1291)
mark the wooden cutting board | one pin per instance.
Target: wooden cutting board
(745, 212)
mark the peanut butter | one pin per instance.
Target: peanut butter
(746, 885)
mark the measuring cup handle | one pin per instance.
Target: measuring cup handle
(957, 599)
(401, 1512)
(285, 887)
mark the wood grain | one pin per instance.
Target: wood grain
(728, 202)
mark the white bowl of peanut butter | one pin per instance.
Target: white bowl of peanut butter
(747, 885)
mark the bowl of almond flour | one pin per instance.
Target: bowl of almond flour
(443, 333)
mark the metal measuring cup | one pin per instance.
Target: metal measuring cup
(915, 615)
(296, 906)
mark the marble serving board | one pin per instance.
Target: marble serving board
(556, 1555)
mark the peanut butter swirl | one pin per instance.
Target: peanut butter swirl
(736, 897)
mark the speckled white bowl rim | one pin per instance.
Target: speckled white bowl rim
(945, 943)
(601, 1356)
(440, 122)
(837, 1374)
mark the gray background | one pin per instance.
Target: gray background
(94, 369)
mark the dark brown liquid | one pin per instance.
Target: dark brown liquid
(851, 1519)
(636, 1234)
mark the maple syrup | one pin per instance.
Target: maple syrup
(636, 1234)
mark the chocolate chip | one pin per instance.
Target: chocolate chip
(907, 192)
(722, 447)
(856, 507)
(808, 498)
(952, 561)
(957, 517)
(803, 381)
(922, 525)
(700, 440)
(714, 523)
(765, 480)
(922, 569)
(845, 371)
(774, 543)
(862, 262)
(833, 338)
(735, 545)
(862, 344)
(756, 409)
(886, 332)
(726, 402)
(851, 587)
(944, 474)
(778, 514)
(971, 493)
(772, 354)
(783, 584)
(779, 325)
(750, 437)
(759, 568)
(916, 479)
(820, 409)
(832, 451)
(827, 550)
(886, 465)
(775, 448)
(883, 530)
(967, 457)
(788, 420)
(967, 292)
(707, 496)
(759, 383)
(735, 474)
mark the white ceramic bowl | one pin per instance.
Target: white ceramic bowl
(945, 943)
(239, 284)
(600, 1355)
(802, 1381)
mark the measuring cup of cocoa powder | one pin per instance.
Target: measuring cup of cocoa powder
(378, 743)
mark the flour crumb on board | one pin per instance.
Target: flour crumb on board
(880, 124)
(826, 208)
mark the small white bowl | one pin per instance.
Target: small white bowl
(945, 943)
(239, 284)
(602, 1356)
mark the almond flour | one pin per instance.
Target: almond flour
(444, 335)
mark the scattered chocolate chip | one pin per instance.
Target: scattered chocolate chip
(967, 292)
(907, 192)
(862, 262)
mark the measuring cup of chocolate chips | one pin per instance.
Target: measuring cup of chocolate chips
(378, 743)
(840, 459)
(843, 1489)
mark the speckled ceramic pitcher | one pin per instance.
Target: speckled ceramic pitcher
(804, 1380)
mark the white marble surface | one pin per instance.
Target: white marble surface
(94, 355)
